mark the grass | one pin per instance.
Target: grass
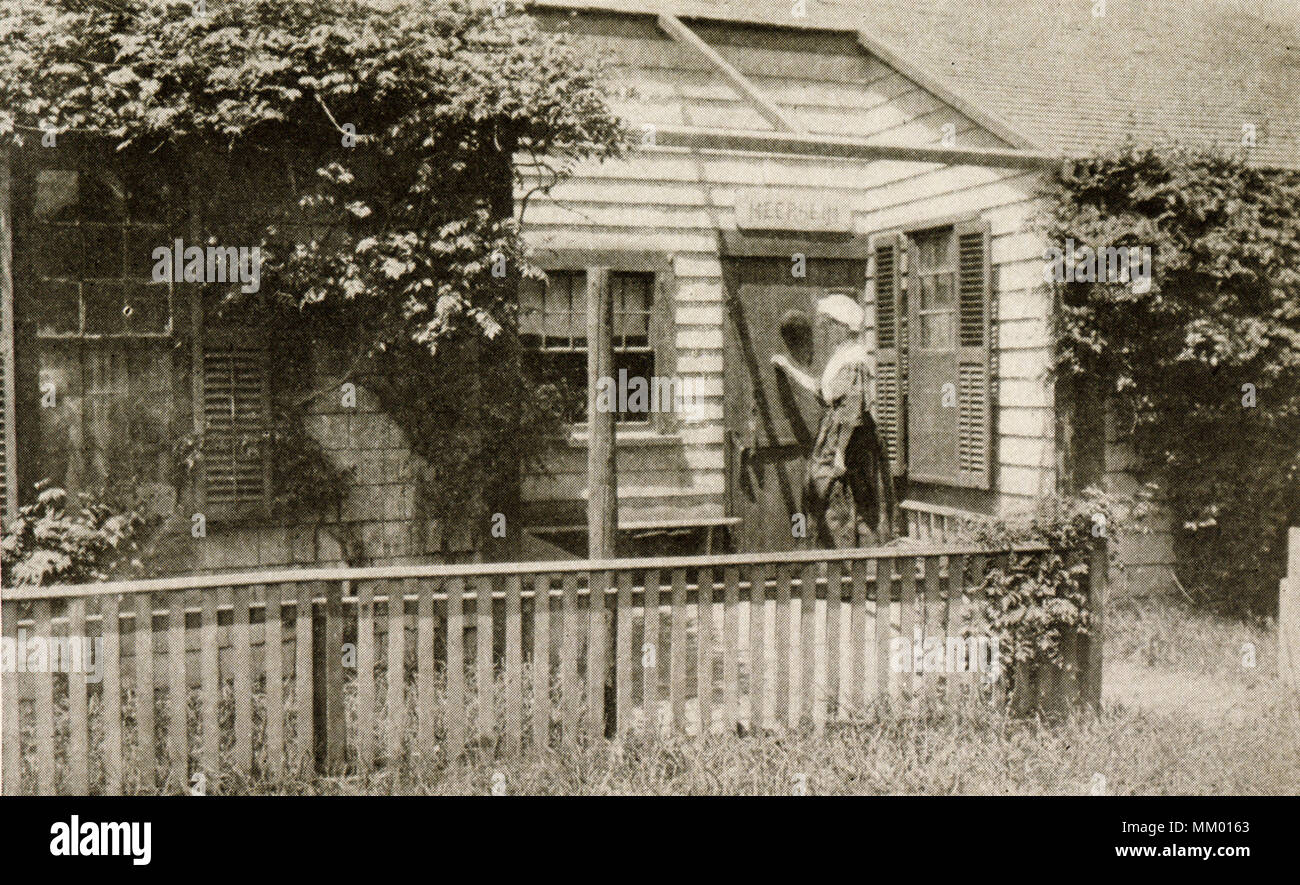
(1183, 713)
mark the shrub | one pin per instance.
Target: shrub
(1038, 603)
(1203, 367)
(59, 539)
(380, 143)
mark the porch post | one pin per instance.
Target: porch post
(1098, 572)
(602, 490)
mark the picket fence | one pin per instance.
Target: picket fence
(258, 675)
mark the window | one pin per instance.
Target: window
(935, 282)
(934, 353)
(553, 324)
(93, 265)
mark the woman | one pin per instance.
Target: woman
(849, 491)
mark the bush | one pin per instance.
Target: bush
(1038, 603)
(1203, 367)
(58, 540)
(369, 150)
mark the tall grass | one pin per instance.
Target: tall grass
(1178, 738)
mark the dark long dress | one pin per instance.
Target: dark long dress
(853, 505)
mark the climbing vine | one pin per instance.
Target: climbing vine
(370, 152)
(1037, 603)
(1201, 368)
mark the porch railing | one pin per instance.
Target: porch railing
(935, 523)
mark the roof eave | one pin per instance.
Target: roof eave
(917, 73)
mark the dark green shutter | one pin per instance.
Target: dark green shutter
(890, 346)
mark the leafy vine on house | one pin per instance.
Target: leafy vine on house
(1202, 366)
(370, 156)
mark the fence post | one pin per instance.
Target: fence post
(1098, 572)
(327, 665)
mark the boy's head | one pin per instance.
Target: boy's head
(797, 333)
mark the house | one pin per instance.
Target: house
(888, 150)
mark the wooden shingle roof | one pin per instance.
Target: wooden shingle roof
(1192, 71)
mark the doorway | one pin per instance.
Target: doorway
(771, 424)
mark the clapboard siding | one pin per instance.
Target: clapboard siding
(664, 165)
(1021, 421)
(674, 201)
(883, 190)
(699, 291)
(1147, 556)
(824, 81)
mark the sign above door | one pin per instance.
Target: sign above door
(767, 208)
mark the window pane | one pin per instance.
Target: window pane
(530, 307)
(103, 251)
(943, 290)
(56, 194)
(150, 198)
(58, 251)
(566, 372)
(103, 197)
(927, 292)
(937, 330)
(933, 250)
(578, 318)
(568, 289)
(141, 241)
(633, 299)
(149, 312)
(570, 372)
(562, 299)
(104, 303)
(638, 366)
(60, 311)
(556, 326)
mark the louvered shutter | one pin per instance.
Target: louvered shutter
(236, 467)
(8, 484)
(8, 469)
(974, 366)
(890, 367)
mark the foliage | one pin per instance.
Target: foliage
(58, 540)
(369, 147)
(1204, 368)
(1039, 601)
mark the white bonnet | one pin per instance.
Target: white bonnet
(843, 309)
